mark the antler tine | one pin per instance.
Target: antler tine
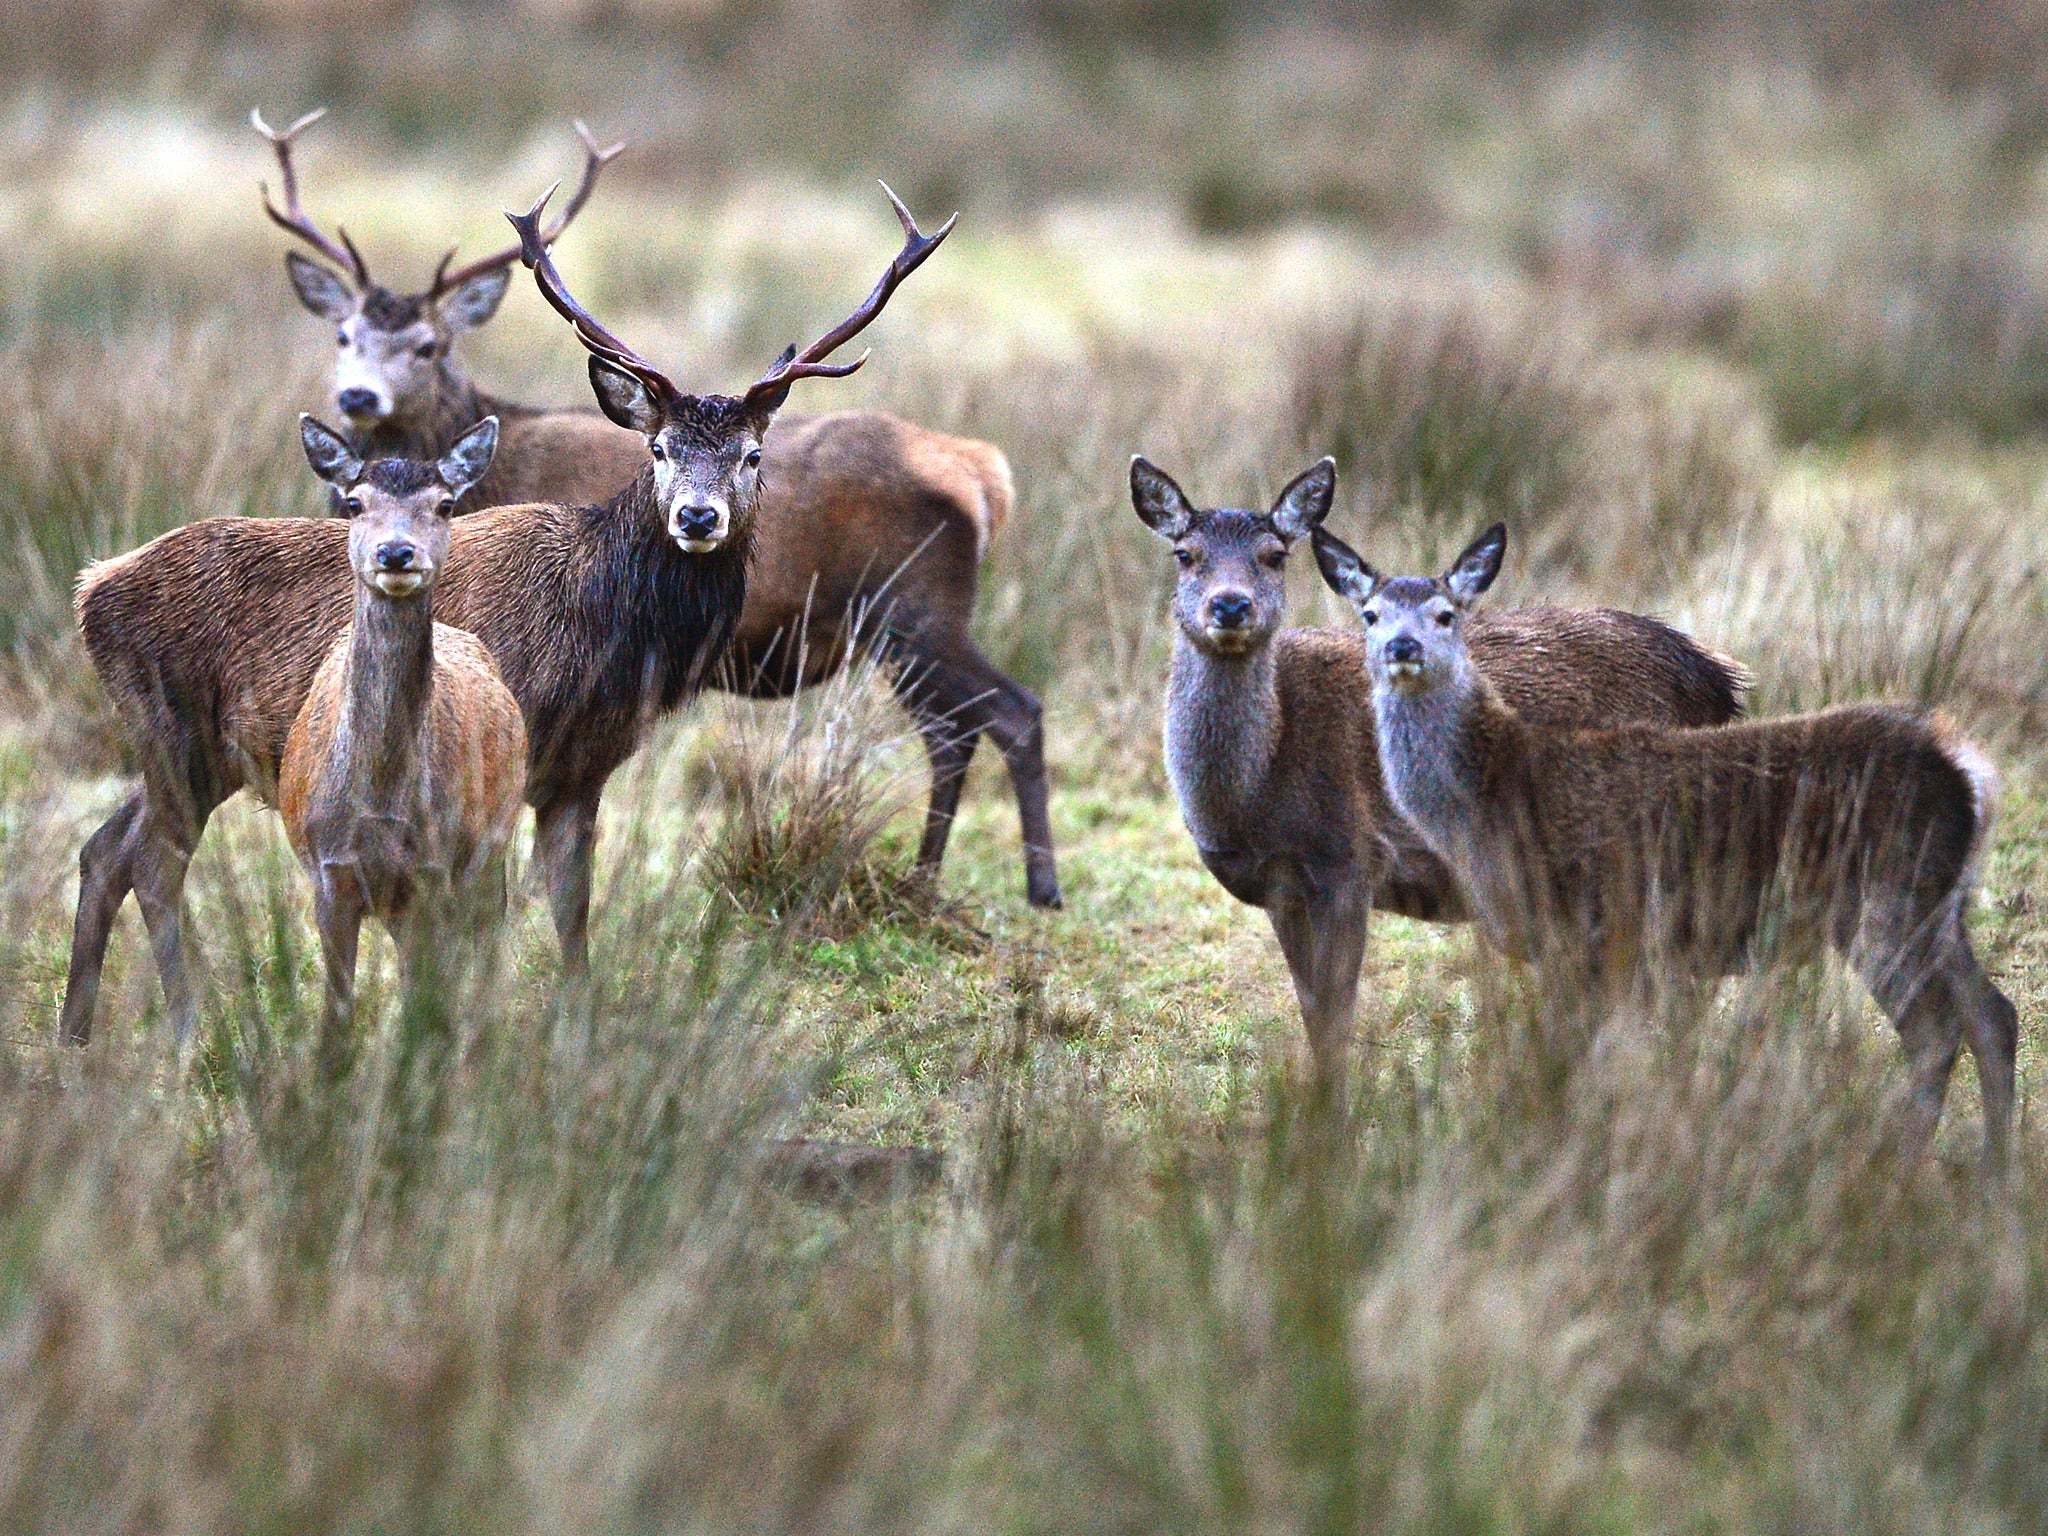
(533, 252)
(810, 363)
(595, 159)
(293, 219)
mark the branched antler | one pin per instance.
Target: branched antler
(294, 219)
(594, 160)
(534, 254)
(810, 363)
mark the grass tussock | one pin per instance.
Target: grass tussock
(1461, 413)
(808, 790)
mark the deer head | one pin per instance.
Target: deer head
(1232, 592)
(398, 510)
(707, 448)
(392, 357)
(1414, 625)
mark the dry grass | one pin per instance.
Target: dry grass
(535, 1267)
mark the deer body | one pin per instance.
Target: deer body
(1270, 747)
(405, 768)
(1625, 852)
(869, 523)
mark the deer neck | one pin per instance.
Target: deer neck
(1437, 750)
(1222, 730)
(389, 702)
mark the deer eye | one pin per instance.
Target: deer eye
(352, 505)
(1371, 617)
(447, 507)
(657, 450)
(1184, 556)
(753, 458)
(1443, 619)
(424, 349)
(1273, 559)
(341, 338)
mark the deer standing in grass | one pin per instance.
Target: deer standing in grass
(404, 772)
(1269, 744)
(1627, 852)
(600, 618)
(872, 530)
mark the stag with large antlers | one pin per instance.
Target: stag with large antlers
(599, 618)
(872, 531)
(396, 379)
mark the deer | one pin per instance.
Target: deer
(872, 531)
(1638, 851)
(405, 768)
(1269, 747)
(600, 618)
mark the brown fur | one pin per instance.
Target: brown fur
(208, 639)
(1270, 742)
(862, 515)
(478, 761)
(1640, 854)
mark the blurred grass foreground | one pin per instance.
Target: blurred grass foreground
(1737, 312)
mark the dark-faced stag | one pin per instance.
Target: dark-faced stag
(599, 618)
(872, 529)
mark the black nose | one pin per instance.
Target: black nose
(357, 402)
(698, 522)
(394, 556)
(1230, 610)
(1404, 648)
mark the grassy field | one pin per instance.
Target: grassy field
(1737, 315)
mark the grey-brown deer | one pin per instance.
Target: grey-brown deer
(599, 618)
(872, 529)
(1269, 740)
(1627, 851)
(405, 769)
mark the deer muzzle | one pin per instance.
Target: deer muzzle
(699, 526)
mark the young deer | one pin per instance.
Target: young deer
(872, 530)
(1627, 851)
(1269, 746)
(599, 618)
(404, 772)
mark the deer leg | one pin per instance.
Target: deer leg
(1322, 933)
(963, 688)
(1991, 1030)
(949, 747)
(158, 871)
(105, 876)
(338, 913)
(564, 839)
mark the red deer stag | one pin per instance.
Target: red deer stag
(598, 617)
(404, 772)
(1269, 744)
(872, 530)
(1643, 850)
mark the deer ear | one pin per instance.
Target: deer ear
(624, 398)
(764, 406)
(1475, 569)
(1162, 506)
(1346, 575)
(318, 289)
(476, 300)
(464, 464)
(1306, 501)
(330, 456)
